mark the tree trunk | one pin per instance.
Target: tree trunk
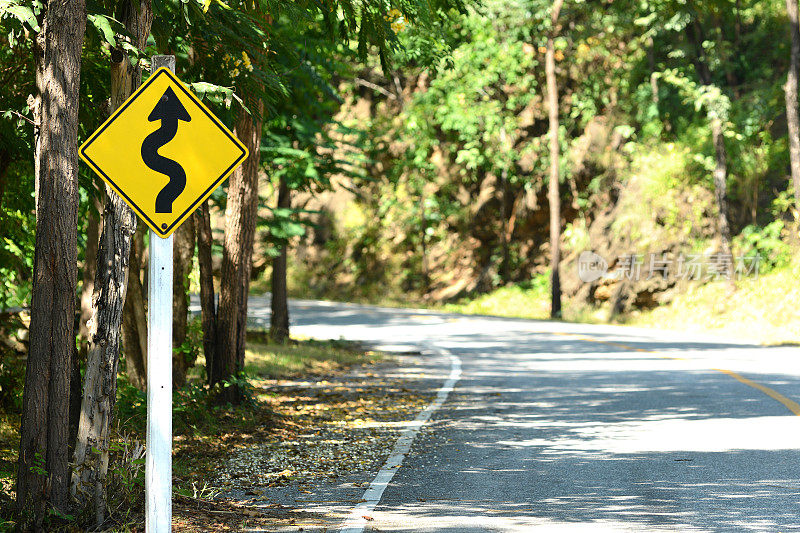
(75, 387)
(111, 283)
(237, 255)
(205, 240)
(505, 273)
(791, 99)
(426, 275)
(553, 192)
(505, 239)
(182, 267)
(35, 103)
(87, 290)
(721, 185)
(89, 269)
(279, 317)
(134, 316)
(697, 37)
(43, 474)
(651, 60)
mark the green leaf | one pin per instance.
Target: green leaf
(22, 13)
(102, 24)
(217, 94)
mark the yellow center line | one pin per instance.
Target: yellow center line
(791, 405)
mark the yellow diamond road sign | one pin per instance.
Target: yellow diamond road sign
(163, 151)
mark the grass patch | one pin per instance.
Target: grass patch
(275, 361)
(765, 309)
(518, 301)
(523, 300)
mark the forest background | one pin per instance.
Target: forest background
(442, 154)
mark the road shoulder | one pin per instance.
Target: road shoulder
(335, 435)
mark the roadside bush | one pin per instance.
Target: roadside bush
(131, 407)
(12, 377)
(12, 363)
(765, 242)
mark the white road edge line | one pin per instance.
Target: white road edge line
(356, 521)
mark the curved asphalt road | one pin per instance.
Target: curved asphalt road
(571, 427)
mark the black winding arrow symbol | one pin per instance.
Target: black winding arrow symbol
(169, 111)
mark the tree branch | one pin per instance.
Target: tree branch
(378, 88)
(19, 115)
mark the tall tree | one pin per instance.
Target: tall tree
(792, 117)
(716, 115)
(553, 191)
(43, 475)
(720, 176)
(205, 241)
(182, 267)
(507, 226)
(134, 315)
(371, 26)
(111, 282)
(279, 317)
(237, 254)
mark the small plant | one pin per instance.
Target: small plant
(190, 348)
(767, 243)
(191, 407)
(205, 492)
(38, 465)
(131, 406)
(125, 480)
(242, 381)
(56, 513)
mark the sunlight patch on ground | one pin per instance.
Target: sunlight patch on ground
(673, 435)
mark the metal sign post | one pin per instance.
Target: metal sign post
(158, 467)
(164, 153)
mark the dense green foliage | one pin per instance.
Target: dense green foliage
(460, 151)
(434, 115)
(285, 58)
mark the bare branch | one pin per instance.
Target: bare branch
(378, 88)
(19, 115)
